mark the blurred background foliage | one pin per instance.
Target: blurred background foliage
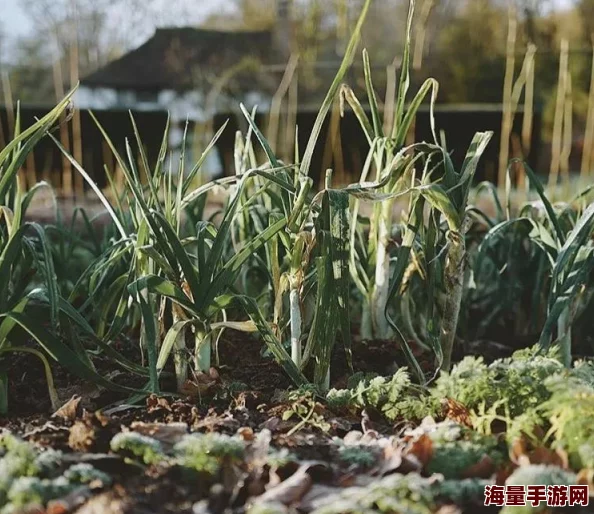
(464, 40)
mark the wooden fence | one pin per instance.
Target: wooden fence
(341, 146)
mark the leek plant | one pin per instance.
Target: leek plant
(393, 168)
(182, 278)
(450, 198)
(313, 226)
(285, 256)
(337, 230)
(164, 261)
(29, 287)
(562, 235)
(386, 144)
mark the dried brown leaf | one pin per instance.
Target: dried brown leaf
(457, 412)
(155, 403)
(586, 477)
(167, 433)
(421, 448)
(484, 468)
(199, 385)
(246, 433)
(391, 460)
(70, 502)
(70, 410)
(542, 455)
(289, 491)
(518, 451)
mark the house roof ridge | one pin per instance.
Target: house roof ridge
(172, 56)
(203, 29)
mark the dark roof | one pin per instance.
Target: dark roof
(182, 58)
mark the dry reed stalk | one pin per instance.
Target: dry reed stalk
(559, 115)
(333, 157)
(277, 100)
(66, 185)
(567, 136)
(7, 95)
(587, 167)
(390, 97)
(520, 85)
(9, 103)
(3, 142)
(108, 166)
(30, 171)
(506, 121)
(527, 123)
(342, 26)
(290, 144)
(76, 122)
(421, 33)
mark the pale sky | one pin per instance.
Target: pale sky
(14, 20)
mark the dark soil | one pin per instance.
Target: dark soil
(245, 394)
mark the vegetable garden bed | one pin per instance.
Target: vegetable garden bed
(297, 352)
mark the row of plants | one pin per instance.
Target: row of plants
(521, 420)
(293, 266)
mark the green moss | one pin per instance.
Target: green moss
(84, 473)
(147, 449)
(540, 474)
(32, 490)
(405, 494)
(205, 452)
(357, 456)
(468, 490)
(456, 448)
(453, 459)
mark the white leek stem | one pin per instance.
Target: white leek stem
(564, 337)
(327, 381)
(366, 325)
(203, 349)
(382, 273)
(295, 308)
(454, 284)
(180, 355)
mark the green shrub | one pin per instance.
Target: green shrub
(406, 494)
(468, 490)
(516, 384)
(357, 455)
(85, 473)
(457, 448)
(148, 450)
(570, 411)
(205, 452)
(394, 397)
(540, 474)
(32, 490)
